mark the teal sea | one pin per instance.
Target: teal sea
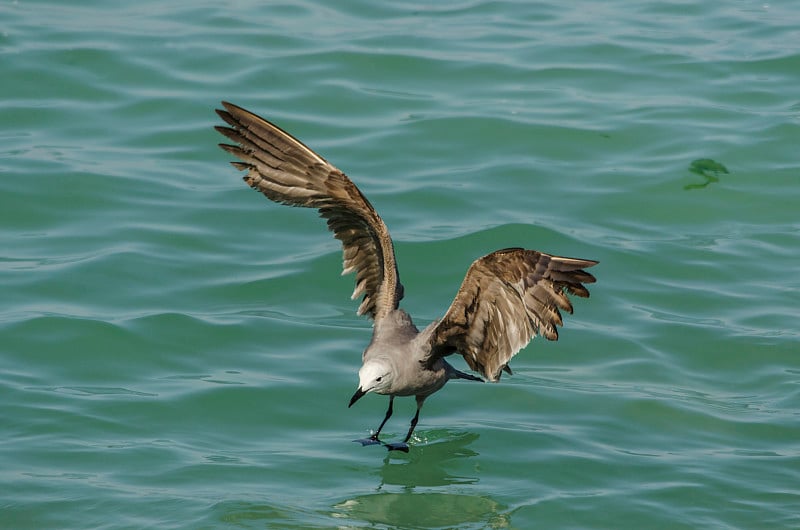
(178, 352)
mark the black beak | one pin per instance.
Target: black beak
(358, 395)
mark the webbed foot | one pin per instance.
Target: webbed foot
(397, 446)
(368, 441)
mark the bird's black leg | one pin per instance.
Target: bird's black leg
(372, 440)
(411, 428)
(385, 418)
(403, 446)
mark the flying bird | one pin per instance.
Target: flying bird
(505, 300)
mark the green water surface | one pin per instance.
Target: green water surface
(178, 352)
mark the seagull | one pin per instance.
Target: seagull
(506, 298)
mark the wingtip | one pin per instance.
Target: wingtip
(234, 110)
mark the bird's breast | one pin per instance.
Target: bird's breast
(416, 380)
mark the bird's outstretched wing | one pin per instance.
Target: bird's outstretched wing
(286, 171)
(506, 299)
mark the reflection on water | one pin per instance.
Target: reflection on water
(424, 510)
(426, 464)
(420, 503)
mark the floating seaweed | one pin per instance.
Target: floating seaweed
(708, 169)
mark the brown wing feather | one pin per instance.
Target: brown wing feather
(286, 171)
(507, 298)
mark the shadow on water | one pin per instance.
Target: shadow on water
(417, 503)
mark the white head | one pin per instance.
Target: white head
(374, 376)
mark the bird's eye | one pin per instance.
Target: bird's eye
(379, 379)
